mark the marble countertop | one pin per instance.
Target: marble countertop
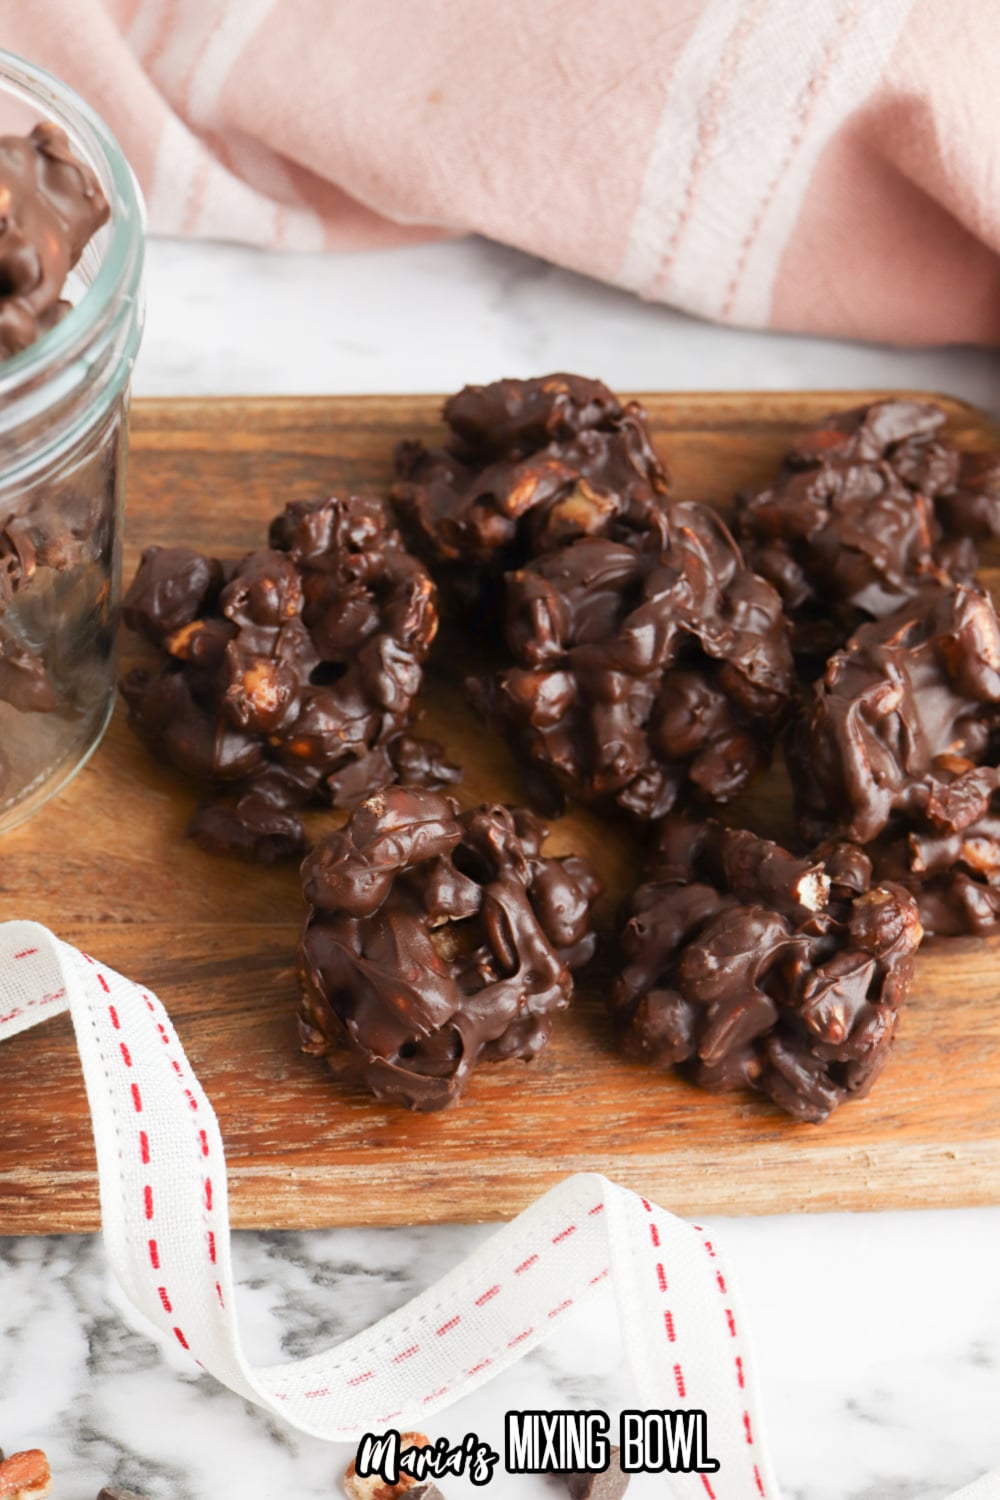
(877, 1336)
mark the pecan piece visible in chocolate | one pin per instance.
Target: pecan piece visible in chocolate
(643, 668)
(530, 465)
(374, 1487)
(747, 966)
(288, 677)
(904, 697)
(436, 940)
(865, 510)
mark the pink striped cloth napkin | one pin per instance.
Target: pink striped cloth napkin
(829, 165)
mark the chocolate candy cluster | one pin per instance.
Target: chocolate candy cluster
(436, 940)
(52, 205)
(747, 966)
(646, 669)
(648, 659)
(288, 676)
(899, 751)
(530, 465)
(871, 534)
(865, 511)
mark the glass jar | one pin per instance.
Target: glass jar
(63, 441)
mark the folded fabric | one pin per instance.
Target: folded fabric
(828, 165)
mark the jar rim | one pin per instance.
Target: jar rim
(120, 268)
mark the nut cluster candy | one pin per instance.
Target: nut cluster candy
(747, 966)
(530, 465)
(947, 849)
(436, 940)
(52, 531)
(909, 699)
(645, 669)
(52, 204)
(290, 675)
(647, 658)
(865, 511)
(900, 750)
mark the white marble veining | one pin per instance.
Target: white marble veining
(877, 1337)
(877, 1341)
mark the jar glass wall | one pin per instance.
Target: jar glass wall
(63, 443)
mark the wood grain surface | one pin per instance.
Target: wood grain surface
(106, 865)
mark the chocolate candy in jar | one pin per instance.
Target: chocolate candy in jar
(71, 250)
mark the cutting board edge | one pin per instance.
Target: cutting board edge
(153, 405)
(847, 1179)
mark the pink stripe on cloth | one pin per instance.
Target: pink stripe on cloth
(710, 119)
(813, 164)
(899, 232)
(737, 141)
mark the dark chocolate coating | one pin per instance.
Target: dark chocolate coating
(54, 532)
(745, 966)
(906, 694)
(288, 677)
(25, 682)
(644, 668)
(525, 415)
(252, 824)
(865, 511)
(531, 464)
(647, 659)
(946, 849)
(174, 588)
(436, 940)
(52, 204)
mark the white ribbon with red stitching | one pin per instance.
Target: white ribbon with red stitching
(166, 1227)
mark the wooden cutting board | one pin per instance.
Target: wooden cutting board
(106, 866)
